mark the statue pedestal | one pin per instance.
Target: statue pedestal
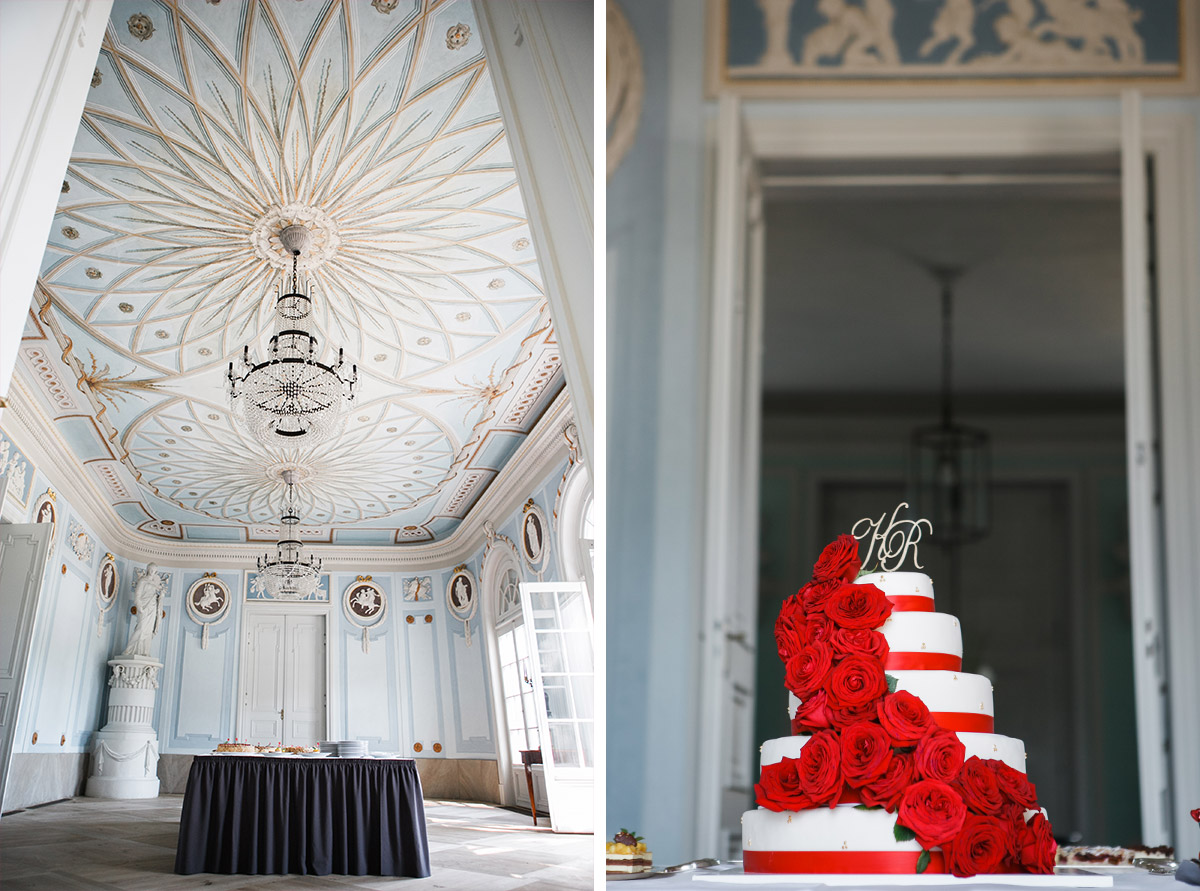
(125, 751)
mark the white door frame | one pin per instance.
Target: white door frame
(253, 609)
(732, 472)
(1170, 140)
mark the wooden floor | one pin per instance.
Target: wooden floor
(130, 845)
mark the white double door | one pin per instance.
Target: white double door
(283, 679)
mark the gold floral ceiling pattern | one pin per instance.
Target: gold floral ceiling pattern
(208, 127)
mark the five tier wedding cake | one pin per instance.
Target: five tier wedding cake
(893, 765)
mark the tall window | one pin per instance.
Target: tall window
(515, 675)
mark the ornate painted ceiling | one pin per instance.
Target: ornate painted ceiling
(209, 126)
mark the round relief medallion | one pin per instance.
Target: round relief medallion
(461, 594)
(535, 538)
(364, 602)
(208, 599)
(107, 583)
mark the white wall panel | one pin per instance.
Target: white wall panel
(370, 707)
(201, 695)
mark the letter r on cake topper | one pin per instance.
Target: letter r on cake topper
(894, 541)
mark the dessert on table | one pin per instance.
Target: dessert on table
(627, 854)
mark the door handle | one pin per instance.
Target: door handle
(281, 714)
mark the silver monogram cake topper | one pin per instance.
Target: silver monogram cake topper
(894, 541)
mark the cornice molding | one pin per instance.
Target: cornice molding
(36, 435)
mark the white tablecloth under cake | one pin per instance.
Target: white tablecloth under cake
(729, 877)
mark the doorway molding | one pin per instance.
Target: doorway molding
(1164, 650)
(296, 608)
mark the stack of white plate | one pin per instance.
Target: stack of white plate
(352, 748)
(328, 747)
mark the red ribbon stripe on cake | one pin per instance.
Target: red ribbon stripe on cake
(911, 603)
(967, 722)
(923, 661)
(864, 862)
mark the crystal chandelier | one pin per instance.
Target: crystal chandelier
(291, 397)
(285, 575)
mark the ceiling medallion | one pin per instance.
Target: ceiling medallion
(140, 26)
(423, 341)
(291, 397)
(71, 232)
(97, 77)
(323, 238)
(125, 307)
(385, 6)
(93, 272)
(285, 574)
(66, 187)
(457, 36)
(496, 284)
(521, 244)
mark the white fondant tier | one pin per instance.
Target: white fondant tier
(906, 590)
(960, 701)
(1008, 749)
(920, 640)
(954, 692)
(822, 829)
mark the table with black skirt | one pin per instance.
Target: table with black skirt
(262, 815)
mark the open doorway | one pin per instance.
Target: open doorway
(852, 364)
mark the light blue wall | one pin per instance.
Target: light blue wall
(657, 343)
(418, 682)
(66, 678)
(659, 263)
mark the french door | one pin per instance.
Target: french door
(558, 629)
(283, 679)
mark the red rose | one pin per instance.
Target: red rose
(839, 560)
(1013, 784)
(855, 681)
(905, 717)
(790, 627)
(976, 783)
(1034, 846)
(1196, 815)
(806, 671)
(815, 594)
(933, 811)
(866, 753)
(819, 628)
(812, 714)
(940, 754)
(979, 846)
(820, 768)
(859, 642)
(778, 787)
(842, 718)
(888, 789)
(858, 606)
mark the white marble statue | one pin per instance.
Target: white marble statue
(147, 597)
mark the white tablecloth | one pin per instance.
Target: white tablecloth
(703, 880)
